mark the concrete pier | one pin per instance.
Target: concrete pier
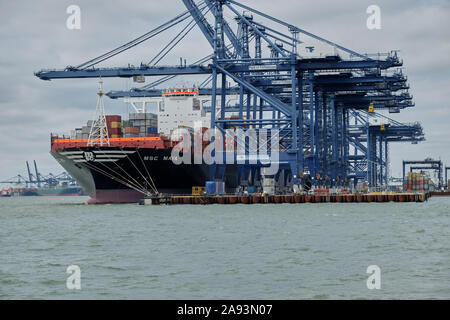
(289, 198)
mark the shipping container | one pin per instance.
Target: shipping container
(215, 187)
(115, 124)
(114, 131)
(113, 118)
(127, 123)
(132, 130)
(210, 187)
(197, 191)
(152, 130)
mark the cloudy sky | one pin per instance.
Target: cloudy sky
(34, 35)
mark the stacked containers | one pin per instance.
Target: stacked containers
(78, 133)
(146, 123)
(416, 182)
(409, 182)
(114, 124)
(426, 183)
(151, 123)
(131, 132)
(128, 130)
(85, 131)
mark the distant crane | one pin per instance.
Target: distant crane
(446, 177)
(16, 180)
(37, 179)
(30, 177)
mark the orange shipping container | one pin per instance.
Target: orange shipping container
(132, 130)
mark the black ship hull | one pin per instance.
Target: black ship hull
(114, 175)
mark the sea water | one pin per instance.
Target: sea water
(260, 251)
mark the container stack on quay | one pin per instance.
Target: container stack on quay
(20, 191)
(417, 182)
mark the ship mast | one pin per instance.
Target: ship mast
(99, 130)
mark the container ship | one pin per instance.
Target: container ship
(60, 190)
(135, 158)
(47, 190)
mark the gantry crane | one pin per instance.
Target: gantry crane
(321, 104)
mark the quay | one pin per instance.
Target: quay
(288, 198)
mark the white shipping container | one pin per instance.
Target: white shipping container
(268, 185)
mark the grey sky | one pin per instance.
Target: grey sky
(33, 35)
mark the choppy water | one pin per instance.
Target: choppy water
(288, 251)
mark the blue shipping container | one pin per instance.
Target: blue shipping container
(152, 130)
(210, 187)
